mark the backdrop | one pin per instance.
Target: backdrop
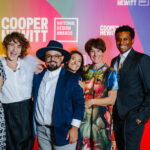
(73, 22)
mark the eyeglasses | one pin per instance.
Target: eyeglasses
(53, 56)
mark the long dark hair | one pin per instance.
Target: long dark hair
(80, 70)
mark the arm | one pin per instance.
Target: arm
(144, 112)
(39, 68)
(34, 85)
(72, 135)
(110, 100)
(77, 99)
(2, 75)
(82, 84)
(78, 102)
(1, 82)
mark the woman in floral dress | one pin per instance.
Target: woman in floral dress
(100, 91)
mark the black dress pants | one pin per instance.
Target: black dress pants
(128, 133)
(18, 118)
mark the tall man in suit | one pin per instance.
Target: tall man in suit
(58, 101)
(132, 108)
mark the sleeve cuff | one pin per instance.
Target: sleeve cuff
(76, 123)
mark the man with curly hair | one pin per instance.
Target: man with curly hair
(16, 92)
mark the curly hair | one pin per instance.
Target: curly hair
(17, 37)
(96, 43)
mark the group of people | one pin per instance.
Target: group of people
(73, 105)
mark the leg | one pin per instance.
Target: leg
(118, 128)
(133, 132)
(118, 132)
(2, 129)
(66, 147)
(19, 125)
(44, 138)
(27, 128)
(10, 127)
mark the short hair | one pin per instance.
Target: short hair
(96, 43)
(80, 70)
(16, 36)
(125, 28)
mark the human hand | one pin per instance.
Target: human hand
(138, 121)
(39, 68)
(72, 135)
(88, 103)
(82, 84)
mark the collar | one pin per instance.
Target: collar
(18, 63)
(54, 73)
(124, 55)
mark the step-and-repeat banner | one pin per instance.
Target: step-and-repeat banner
(73, 22)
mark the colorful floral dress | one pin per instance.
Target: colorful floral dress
(96, 125)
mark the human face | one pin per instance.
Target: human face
(13, 50)
(53, 60)
(124, 41)
(96, 55)
(75, 62)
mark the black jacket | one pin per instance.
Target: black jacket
(134, 86)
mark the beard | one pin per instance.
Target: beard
(52, 67)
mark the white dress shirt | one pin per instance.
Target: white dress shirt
(18, 84)
(45, 99)
(122, 59)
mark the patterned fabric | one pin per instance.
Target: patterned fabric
(2, 119)
(96, 124)
(2, 129)
(2, 73)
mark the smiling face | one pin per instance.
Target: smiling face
(75, 62)
(124, 41)
(53, 59)
(13, 50)
(96, 55)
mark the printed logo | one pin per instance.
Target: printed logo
(108, 30)
(66, 29)
(34, 29)
(126, 2)
(143, 3)
(133, 2)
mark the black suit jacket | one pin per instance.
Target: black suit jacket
(134, 86)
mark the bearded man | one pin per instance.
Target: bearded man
(58, 101)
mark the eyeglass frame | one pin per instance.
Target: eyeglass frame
(56, 57)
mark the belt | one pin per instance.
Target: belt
(47, 126)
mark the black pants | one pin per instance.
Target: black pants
(18, 118)
(128, 133)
